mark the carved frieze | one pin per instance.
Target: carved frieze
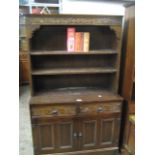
(33, 22)
(73, 20)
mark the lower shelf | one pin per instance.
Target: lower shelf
(60, 71)
(105, 151)
(74, 81)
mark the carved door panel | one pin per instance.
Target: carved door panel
(44, 139)
(87, 133)
(54, 135)
(66, 135)
(109, 131)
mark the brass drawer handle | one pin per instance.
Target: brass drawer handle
(100, 109)
(84, 110)
(54, 112)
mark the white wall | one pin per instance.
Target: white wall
(91, 7)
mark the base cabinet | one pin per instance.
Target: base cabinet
(57, 135)
(88, 128)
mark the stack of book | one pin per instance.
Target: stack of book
(77, 41)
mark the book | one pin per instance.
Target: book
(36, 10)
(78, 41)
(70, 39)
(86, 40)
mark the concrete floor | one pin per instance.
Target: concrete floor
(25, 135)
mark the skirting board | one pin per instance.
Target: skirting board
(105, 151)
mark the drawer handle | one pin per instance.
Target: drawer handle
(84, 110)
(100, 109)
(55, 112)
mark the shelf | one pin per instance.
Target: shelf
(93, 52)
(73, 71)
(70, 95)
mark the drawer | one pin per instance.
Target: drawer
(53, 110)
(97, 108)
(71, 110)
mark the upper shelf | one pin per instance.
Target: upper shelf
(93, 52)
(73, 71)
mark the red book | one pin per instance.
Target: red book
(36, 11)
(78, 41)
(71, 39)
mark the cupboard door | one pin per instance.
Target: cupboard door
(54, 135)
(88, 133)
(66, 135)
(44, 138)
(109, 131)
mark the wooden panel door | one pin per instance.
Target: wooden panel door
(87, 133)
(54, 135)
(98, 132)
(66, 135)
(44, 139)
(109, 131)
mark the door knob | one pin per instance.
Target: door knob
(80, 134)
(75, 135)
